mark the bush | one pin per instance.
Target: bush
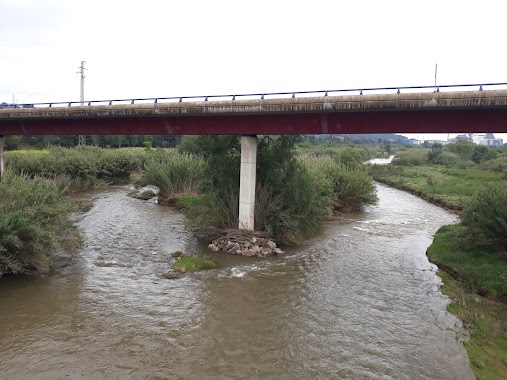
(485, 216)
(34, 223)
(464, 149)
(351, 187)
(498, 165)
(412, 157)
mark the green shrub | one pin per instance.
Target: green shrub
(412, 157)
(352, 156)
(34, 223)
(351, 187)
(496, 165)
(485, 216)
(464, 149)
(447, 159)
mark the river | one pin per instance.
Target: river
(359, 301)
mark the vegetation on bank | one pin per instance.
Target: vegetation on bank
(446, 175)
(34, 224)
(481, 269)
(476, 281)
(80, 168)
(485, 320)
(474, 254)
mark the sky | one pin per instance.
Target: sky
(149, 48)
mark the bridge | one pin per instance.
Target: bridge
(421, 109)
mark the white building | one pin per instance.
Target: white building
(490, 140)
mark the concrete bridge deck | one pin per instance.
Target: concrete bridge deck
(430, 112)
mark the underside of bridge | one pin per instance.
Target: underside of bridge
(408, 121)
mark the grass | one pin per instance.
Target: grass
(451, 186)
(483, 270)
(486, 321)
(34, 224)
(184, 202)
(476, 281)
(178, 175)
(192, 264)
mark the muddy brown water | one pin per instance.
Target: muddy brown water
(359, 301)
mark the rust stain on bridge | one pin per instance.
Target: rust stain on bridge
(468, 111)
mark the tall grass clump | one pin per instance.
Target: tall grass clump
(34, 224)
(352, 187)
(182, 174)
(485, 217)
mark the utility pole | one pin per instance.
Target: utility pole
(82, 138)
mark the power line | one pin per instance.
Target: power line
(82, 138)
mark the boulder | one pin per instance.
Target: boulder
(266, 251)
(278, 251)
(248, 253)
(270, 244)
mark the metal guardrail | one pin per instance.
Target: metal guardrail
(261, 96)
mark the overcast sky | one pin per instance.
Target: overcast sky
(146, 48)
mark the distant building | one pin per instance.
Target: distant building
(490, 140)
(487, 139)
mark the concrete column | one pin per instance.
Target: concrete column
(247, 180)
(2, 163)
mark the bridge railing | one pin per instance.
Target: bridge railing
(260, 96)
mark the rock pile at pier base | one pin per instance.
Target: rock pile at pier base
(245, 243)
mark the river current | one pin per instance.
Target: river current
(358, 301)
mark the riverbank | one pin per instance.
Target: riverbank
(476, 282)
(440, 185)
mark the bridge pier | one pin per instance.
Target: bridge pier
(247, 180)
(2, 163)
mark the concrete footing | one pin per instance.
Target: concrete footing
(2, 162)
(247, 182)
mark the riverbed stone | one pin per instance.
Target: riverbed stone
(266, 251)
(270, 244)
(278, 251)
